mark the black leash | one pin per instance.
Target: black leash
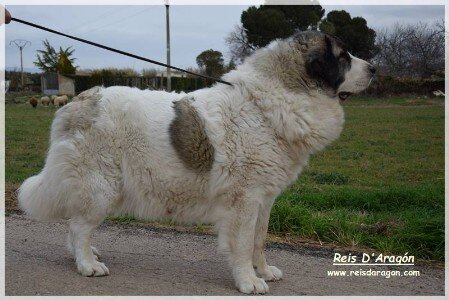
(116, 51)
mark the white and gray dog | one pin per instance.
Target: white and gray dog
(218, 155)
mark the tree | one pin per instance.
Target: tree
(269, 22)
(354, 32)
(238, 44)
(64, 64)
(211, 62)
(48, 60)
(231, 66)
(300, 17)
(149, 73)
(415, 50)
(261, 25)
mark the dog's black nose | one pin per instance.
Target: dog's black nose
(372, 69)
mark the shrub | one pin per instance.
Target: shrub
(389, 86)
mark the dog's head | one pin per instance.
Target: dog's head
(330, 66)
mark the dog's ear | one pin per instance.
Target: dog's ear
(315, 66)
(318, 61)
(322, 65)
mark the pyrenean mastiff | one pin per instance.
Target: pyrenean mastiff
(218, 155)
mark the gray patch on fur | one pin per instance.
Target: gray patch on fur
(188, 137)
(78, 115)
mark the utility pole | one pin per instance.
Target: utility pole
(21, 44)
(167, 13)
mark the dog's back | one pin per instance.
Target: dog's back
(116, 141)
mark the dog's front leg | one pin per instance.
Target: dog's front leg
(268, 273)
(236, 237)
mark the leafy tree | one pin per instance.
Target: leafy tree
(211, 62)
(231, 65)
(354, 32)
(328, 27)
(260, 25)
(64, 64)
(300, 17)
(149, 73)
(48, 60)
(264, 25)
(269, 22)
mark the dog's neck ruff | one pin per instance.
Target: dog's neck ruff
(308, 120)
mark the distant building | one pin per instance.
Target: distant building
(172, 74)
(57, 84)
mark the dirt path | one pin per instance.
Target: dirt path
(148, 261)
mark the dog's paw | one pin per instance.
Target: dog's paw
(93, 269)
(270, 273)
(252, 285)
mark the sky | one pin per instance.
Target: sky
(141, 30)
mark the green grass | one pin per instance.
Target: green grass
(386, 170)
(393, 101)
(27, 133)
(381, 185)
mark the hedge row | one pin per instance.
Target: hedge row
(389, 86)
(382, 86)
(178, 84)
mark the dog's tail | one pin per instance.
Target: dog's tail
(53, 193)
(35, 200)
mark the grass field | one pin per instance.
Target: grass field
(381, 185)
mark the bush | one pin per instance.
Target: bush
(32, 81)
(110, 78)
(389, 86)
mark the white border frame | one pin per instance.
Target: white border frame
(210, 2)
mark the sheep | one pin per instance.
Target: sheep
(33, 102)
(52, 99)
(61, 100)
(45, 100)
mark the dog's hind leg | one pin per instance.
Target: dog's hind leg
(96, 199)
(80, 235)
(236, 237)
(268, 273)
(71, 246)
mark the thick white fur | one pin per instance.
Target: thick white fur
(121, 161)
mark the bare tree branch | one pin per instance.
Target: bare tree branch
(239, 47)
(414, 50)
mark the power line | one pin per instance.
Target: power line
(124, 19)
(96, 19)
(116, 50)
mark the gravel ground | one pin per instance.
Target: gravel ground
(151, 261)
